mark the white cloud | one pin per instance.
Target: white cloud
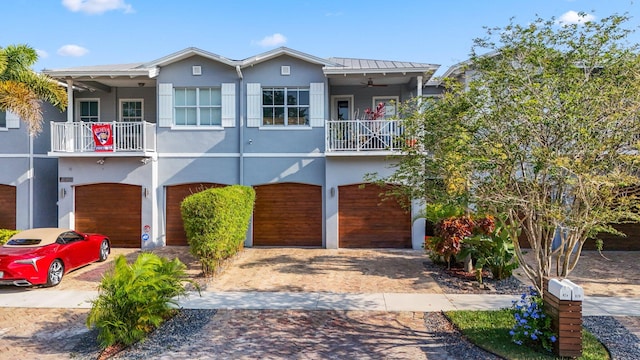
(93, 7)
(42, 54)
(72, 50)
(273, 40)
(573, 17)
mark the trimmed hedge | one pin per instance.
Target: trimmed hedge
(216, 222)
(5, 234)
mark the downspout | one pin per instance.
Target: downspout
(31, 201)
(241, 129)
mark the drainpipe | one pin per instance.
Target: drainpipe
(31, 201)
(241, 129)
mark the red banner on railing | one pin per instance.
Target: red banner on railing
(103, 136)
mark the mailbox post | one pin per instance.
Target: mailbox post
(563, 303)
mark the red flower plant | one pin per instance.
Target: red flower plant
(376, 114)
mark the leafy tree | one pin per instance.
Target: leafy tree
(22, 90)
(543, 130)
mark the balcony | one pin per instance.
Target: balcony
(77, 139)
(363, 137)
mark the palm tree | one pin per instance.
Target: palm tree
(22, 90)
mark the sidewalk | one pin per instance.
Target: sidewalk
(78, 299)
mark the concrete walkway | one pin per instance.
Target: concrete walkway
(78, 299)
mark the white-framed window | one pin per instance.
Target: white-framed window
(390, 105)
(197, 106)
(285, 106)
(131, 110)
(89, 110)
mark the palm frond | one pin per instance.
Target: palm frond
(45, 88)
(23, 101)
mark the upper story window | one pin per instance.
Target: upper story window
(198, 106)
(131, 110)
(3, 119)
(89, 110)
(285, 106)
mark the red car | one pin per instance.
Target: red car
(42, 256)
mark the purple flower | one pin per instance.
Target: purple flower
(553, 338)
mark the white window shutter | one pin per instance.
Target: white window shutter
(13, 121)
(228, 104)
(165, 104)
(316, 104)
(254, 105)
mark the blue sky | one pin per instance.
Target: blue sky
(70, 33)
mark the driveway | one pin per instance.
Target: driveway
(58, 333)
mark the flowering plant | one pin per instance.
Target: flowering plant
(532, 326)
(376, 114)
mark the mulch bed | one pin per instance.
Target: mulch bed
(457, 281)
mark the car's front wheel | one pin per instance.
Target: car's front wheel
(56, 271)
(105, 249)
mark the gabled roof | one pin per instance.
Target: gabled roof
(459, 68)
(284, 51)
(370, 66)
(187, 53)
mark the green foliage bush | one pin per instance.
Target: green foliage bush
(476, 237)
(495, 251)
(136, 298)
(5, 234)
(216, 222)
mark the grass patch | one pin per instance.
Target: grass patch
(490, 331)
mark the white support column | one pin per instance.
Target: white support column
(419, 90)
(69, 100)
(418, 224)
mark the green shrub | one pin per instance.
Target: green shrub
(216, 222)
(136, 298)
(493, 249)
(5, 234)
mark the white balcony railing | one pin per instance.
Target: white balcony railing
(77, 137)
(363, 135)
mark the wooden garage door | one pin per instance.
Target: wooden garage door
(175, 194)
(288, 214)
(365, 221)
(7, 207)
(110, 209)
(631, 242)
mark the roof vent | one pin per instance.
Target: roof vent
(285, 70)
(196, 70)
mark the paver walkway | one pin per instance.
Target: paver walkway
(34, 324)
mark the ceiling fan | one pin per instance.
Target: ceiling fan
(371, 84)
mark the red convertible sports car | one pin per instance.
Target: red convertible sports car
(42, 256)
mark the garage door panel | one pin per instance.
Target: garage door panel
(368, 221)
(7, 207)
(288, 214)
(175, 194)
(111, 209)
(631, 242)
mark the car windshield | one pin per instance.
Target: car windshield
(25, 242)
